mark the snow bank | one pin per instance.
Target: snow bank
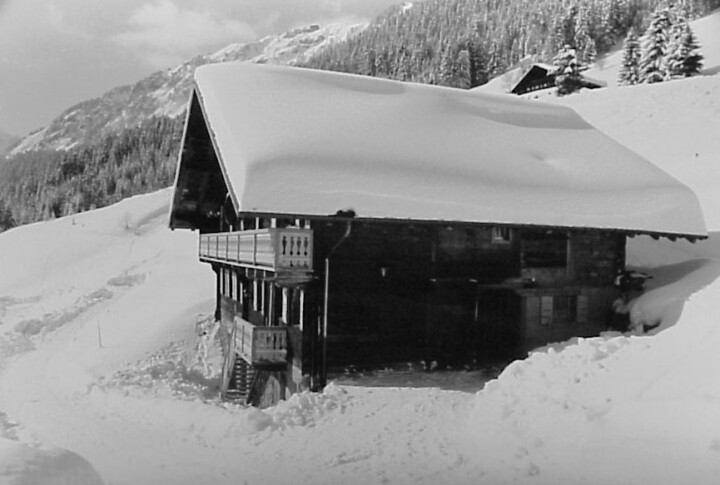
(301, 409)
(604, 410)
(25, 465)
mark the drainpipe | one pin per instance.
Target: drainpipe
(323, 368)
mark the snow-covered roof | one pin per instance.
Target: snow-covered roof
(546, 66)
(305, 142)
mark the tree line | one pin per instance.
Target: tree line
(464, 43)
(42, 185)
(667, 50)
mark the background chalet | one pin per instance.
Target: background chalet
(355, 221)
(542, 76)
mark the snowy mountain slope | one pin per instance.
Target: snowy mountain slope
(165, 93)
(99, 355)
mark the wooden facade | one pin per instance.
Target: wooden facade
(299, 303)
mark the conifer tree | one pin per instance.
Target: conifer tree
(654, 47)
(582, 34)
(463, 78)
(447, 75)
(629, 69)
(683, 58)
(567, 71)
(590, 51)
(6, 218)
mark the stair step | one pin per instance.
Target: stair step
(240, 381)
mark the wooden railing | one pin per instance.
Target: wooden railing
(274, 248)
(261, 345)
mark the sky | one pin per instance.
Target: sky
(56, 53)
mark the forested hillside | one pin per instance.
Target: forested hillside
(42, 185)
(463, 43)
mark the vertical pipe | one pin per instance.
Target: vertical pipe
(323, 363)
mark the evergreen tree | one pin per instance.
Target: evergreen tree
(629, 69)
(6, 218)
(447, 68)
(590, 51)
(463, 79)
(567, 71)
(654, 47)
(478, 69)
(582, 34)
(683, 58)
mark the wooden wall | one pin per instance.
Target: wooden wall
(456, 293)
(452, 294)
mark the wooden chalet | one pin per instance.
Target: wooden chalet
(353, 221)
(541, 76)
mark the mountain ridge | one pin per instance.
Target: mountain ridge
(165, 92)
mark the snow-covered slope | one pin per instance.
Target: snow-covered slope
(165, 93)
(99, 355)
(707, 31)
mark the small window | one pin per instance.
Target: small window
(501, 235)
(565, 309)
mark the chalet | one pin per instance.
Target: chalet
(541, 76)
(353, 221)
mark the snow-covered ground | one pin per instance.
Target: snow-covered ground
(100, 358)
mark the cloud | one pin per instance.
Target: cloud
(163, 34)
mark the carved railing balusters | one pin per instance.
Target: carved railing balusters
(279, 249)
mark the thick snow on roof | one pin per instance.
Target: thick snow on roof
(308, 142)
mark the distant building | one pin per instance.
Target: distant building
(541, 76)
(353, 222)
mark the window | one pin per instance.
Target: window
(501, 235)
(565, 308)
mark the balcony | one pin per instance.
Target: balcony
(261, 346)
(286, 249)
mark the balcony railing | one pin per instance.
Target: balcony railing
(274, 248)
(261, 345)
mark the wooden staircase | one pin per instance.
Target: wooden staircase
(241, 382)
